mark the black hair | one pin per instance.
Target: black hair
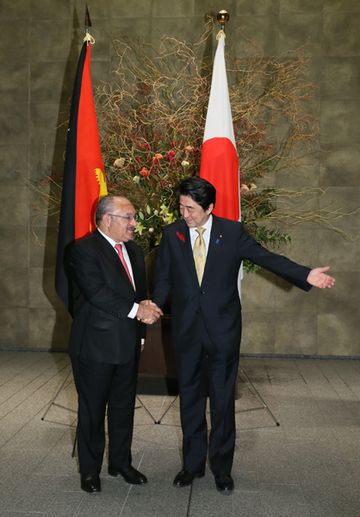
(200, 190)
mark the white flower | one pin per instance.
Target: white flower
(119, 162)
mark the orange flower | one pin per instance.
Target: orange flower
(157, 157)
(145, 173)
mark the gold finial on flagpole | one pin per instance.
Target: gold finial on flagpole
(223, 17)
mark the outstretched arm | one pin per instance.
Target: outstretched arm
(318, 278)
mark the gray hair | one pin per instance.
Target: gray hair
(104, 206)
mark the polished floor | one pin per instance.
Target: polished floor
(307, 466)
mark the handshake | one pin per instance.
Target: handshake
(148, 312)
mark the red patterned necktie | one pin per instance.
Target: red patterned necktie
(119, 251)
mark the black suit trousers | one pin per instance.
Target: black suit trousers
(102, 386)
(204, 370)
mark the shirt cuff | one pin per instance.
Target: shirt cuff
(133, 311)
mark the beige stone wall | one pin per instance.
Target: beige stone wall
(39, 46)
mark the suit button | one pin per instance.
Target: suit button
(202, 292)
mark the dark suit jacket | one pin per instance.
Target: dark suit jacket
(217, 299)
(102, 298)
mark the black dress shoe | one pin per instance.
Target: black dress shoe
(90, 483)
(224, 484)
(131, 475)
(185, 478)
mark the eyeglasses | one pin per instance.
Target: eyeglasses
(127, 217)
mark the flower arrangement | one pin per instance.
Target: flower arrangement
(152, 120)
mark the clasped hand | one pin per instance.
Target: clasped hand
(148, 312)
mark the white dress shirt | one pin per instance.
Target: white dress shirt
(206, 235)
(135, 307)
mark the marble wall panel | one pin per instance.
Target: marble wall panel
(301, 174)
(14, 291)
(14, 247)
(338, 333)
(298, 30)
(340, 33)
(14, 123)
(340, 165)
(342, 254)
(261, 7)
(42, 293)
(255, 36)
(14, 10)
(48, 329)
(340, 77)
(337, 121)
(343, 299)
(139, 9)
(14, 328)
(257, 291)
(351, 6)
(39, 48)
(14, 160)
(14, 202)
(296, 334)
(50, 9)
(258, 333)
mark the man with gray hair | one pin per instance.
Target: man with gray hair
(110, 310)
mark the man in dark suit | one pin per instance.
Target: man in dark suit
(110, 309)
(198, 264)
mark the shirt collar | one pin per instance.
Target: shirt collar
(206, 225)
(109, 239)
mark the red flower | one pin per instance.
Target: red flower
(180, 236)
(170, 155)
(145, 145)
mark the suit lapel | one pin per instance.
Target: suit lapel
(106, 248)
(184, 241)
(212, 258)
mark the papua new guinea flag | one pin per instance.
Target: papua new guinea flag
(84, 181)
